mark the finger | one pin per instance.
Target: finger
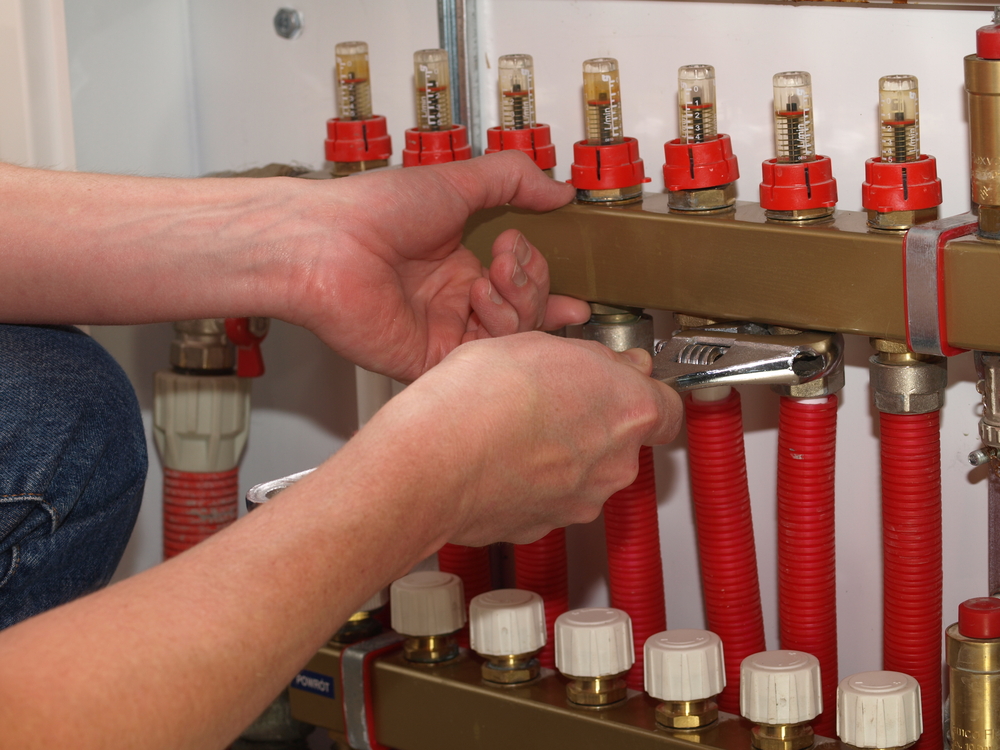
(640, 359)
(564, 311)
(506, 177)
(521, 275)
(496, 316)
(670, 413)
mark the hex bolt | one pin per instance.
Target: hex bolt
(288, 23)
(979, 457)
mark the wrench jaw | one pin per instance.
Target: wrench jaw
(703, 358)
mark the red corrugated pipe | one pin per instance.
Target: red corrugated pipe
(635, 569)
(911, 544)
(807, 567)
(472, 565)
(725, 533)
(196, 505)
(541, 567)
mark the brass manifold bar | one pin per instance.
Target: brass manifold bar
(837, 277)
(450, 707)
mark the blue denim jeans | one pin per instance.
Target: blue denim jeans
(72, 467)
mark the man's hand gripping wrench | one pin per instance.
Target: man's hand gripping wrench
(745, 353)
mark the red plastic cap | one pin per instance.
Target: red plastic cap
(693, 166)
(357, 140)
(436, 146)
(794, 187)
(979, 618)
(988, 42)
(536, 142)
(901, 186)
(607, 167)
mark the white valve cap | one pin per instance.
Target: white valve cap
(376, 601)
(780, 687)
(684, 665)
(879, 709)
(506, 622)
(427, 603)
(594, 642)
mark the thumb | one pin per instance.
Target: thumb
(640, 359)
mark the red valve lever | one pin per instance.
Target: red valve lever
(246, 334)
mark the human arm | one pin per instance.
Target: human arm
(505, 439)
(372, 264)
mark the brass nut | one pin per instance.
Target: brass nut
(692, 321)
(705, 199)
(612, 196)
(886, 345)
(782, 736)
(431, 649)
(899, 221)
(523, 671)
(595, 692)
(910, 387)
(202, 345)
(347, 168)
(801, 215)
(686, 715)
(989, 222)
(832, 383)
(636, 333)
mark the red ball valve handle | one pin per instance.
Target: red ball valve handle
(246, 334)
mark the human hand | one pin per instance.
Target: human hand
(532, 432)
(394, 290)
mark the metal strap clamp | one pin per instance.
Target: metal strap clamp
(355, 681)
(923, 283)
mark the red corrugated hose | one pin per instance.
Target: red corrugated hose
(911, 544)
(472, 565)
(196, 505)
(807, 566)
(541, 567)
(635, 569)
(725, 533)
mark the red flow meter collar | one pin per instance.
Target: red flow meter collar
(979, 618)
(694, 166)
(246, 336)
(536, 142)
(436, 146)
(988, 42)
(607, 167)
(901, 186)
(350, 141)
(794, 187)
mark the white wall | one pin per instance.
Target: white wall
(243, 96)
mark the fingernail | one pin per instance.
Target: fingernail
(494, 295)
(519, 277)
(522, 250)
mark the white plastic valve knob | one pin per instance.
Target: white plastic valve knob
(506, 622)
(780, 687)
(427, 603)
(376, 601)
(593, 642)
(684, 665)
(879, 710)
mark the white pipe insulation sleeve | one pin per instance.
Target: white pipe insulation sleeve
(200, 422)
(374, 392)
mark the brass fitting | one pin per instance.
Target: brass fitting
(202, 345)
(705, 200)
(782, 736)
(974, 676)
(988, 368)
(800, 215)
(619, 329)
(347, 168)
(687, 714)
(511, 670)
(611, 196)
(431, 649)
(982, 83)
(824, 386)
(900, 221)
(359, 627)
(905, 382)
(595, 692)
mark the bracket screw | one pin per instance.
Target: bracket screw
(288, 23)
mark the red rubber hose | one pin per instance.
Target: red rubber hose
(541, 567)
(726, 549)
(635, 569)
(472, 565)
(911, 545)
(807, 568)
(196, 505)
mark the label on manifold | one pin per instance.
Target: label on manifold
(314, 682)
